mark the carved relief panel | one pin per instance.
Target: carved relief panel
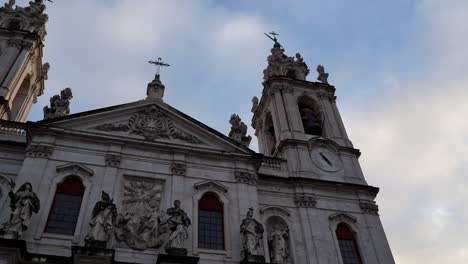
(140, 217)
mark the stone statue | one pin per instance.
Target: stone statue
(59, 105)
(102, 223)
(22, 203)
(278, 244)
(178, 223)
(323, 76)
(252, 234)
(10, 4)
(254, 104)
(239, 131)
(45, 70)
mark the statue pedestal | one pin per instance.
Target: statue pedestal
(92, 254)
(177, 251)
(176, 259)
(253, 259)
(7, 234)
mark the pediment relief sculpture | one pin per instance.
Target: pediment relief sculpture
(151, 124)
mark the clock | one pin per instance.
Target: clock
(326, 159)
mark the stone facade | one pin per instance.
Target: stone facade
(142, 170)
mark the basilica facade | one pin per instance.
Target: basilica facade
(145, 183)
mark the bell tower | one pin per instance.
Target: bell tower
(22, 74)
(298, 120)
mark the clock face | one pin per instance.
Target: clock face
(326, 159)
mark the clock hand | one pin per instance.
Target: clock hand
(326, 159)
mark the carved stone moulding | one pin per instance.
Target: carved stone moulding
(113, 160)
(246, 177)
(368, 207)
(306, 201)
(39, 151)
(178, 168)
(18, 43)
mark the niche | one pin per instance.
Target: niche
(279, 246)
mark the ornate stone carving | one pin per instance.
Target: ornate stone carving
(178, 168)
(39, 151)
(102, 223)
(30, 18)
(254, 104)
(23, 204)
(17, 43)
(246, 177)
(278, 243)
(139, 223)
(305, 201)
(45, 70)
(151, 124)
(280, 88)
(326, 95)
(113, 160)
(239, 131)
(322, 75)
(252, 235)
(281, 65)
(178, 223)
(368, 207)
(59, 104)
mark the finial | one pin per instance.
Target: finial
(158, 63)
(272, 35)
(323, 76)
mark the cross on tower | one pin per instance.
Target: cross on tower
(158, 63)
(272, 35)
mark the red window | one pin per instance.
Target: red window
(348, 246)
(210, 222)
(66, 207)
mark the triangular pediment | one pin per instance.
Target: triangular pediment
(148, 121)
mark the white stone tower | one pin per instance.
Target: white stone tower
(22, 74)
(298, 120)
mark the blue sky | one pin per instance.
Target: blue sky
(399, 68)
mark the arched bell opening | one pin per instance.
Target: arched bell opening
(311, 116)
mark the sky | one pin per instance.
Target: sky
(400, 69)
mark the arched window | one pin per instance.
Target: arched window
(311, 117)
(65, 208)
(348, 246)
(270, 136)
(210, 222)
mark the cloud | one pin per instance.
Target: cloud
(415, 145)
